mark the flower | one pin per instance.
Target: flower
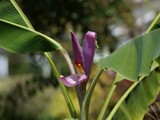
(83, 59)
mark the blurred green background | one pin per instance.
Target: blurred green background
(28, 88)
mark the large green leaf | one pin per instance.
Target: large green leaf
(134, 59)
(136, 104)
(17, 34)
(8, 12)
(20, 39)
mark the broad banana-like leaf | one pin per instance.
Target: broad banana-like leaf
(135, 58)
(136, 104)
(10, 11)
(19, 39)
(17, 34)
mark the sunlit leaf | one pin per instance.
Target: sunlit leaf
(134, 59)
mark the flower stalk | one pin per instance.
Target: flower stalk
(88, 95)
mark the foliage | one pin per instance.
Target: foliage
(135, 54)
(134, 107)
(137, 64)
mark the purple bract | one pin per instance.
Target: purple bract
(83, 59)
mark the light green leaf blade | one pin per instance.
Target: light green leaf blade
(136, 104)
(19, 39)
(135, 58)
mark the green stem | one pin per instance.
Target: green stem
(121, 100)
(108, 98)
(64, 91)
(80, 95)
(156, 20)
(86, 101)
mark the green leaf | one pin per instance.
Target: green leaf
(136, 104)
(135, 58)
(8, 12)
(19, 39)
(17, 34)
